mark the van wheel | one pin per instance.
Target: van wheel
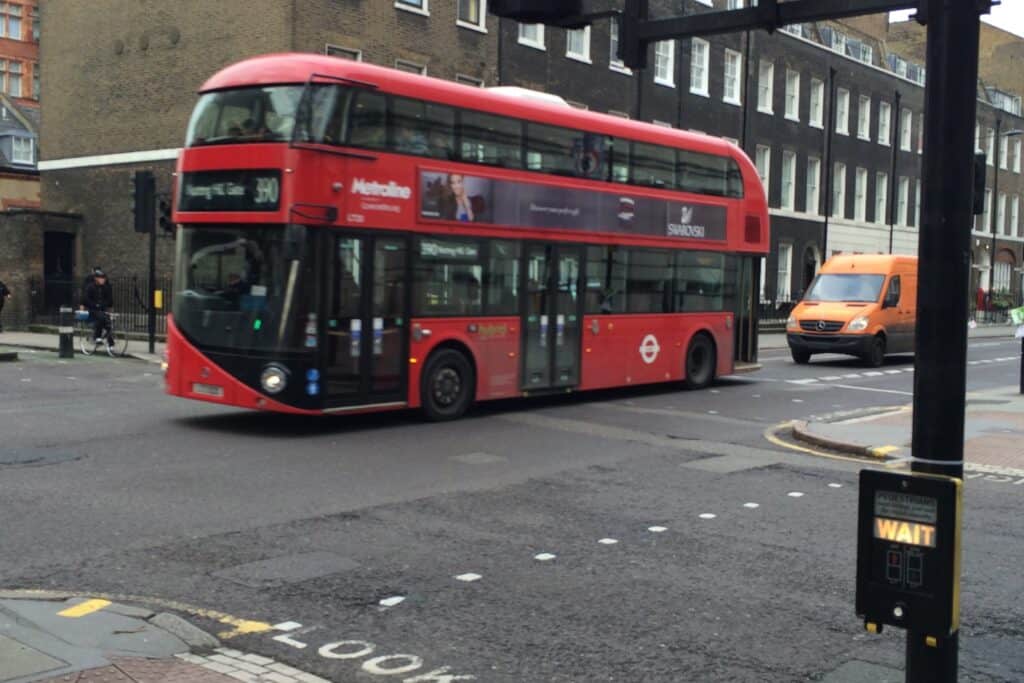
(700, 362)
(875, 357)
(446, 388)
(800, 357)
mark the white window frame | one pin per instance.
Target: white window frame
(670, 57)
(1016, 155)
(792, 95)
(579, 56)
(734, 4)
(700, 58)
(409, 66)
(764, 170)
(864, 117)
(906, 124)
(839, 190)
(860, 195)
(884, 123)
(766, 86)
(902, 199)
(1015, 215)
(342, 52)
(881, 197)
(735, 97)
(977, 138)
(812, 199)
(784, 270)
(816, 115)
(1001, 214)
(482, 26)
(472, 81)
(842, 111)
(788, 195)
(614, 63)
(920, 133)
(1004, 151)
(990, 146)
(423, 9)
(536, 43)
(917, 203)
(14, 151)
(709, 3)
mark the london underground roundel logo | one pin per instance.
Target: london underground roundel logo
(649, 349)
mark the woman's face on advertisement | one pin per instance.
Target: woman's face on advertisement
(455, 182)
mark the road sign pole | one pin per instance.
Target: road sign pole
(940, 380)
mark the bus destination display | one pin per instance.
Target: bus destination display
(242, 190)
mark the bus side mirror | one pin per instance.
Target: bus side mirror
(294, 241)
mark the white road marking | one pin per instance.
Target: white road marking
(376, 665)
(392, 601)
(715, 391)
(608, 541)
(287, 626)
(798, 400)
(893, 372)
(973, 362)
(330, 650)
(873, 373)
(712, 412)
(25, 379)
(468, 577)
(854, 375)
(544, 557)
(883, 391)
(657, 529)
(752, 506)
(908, 369)
(757, 396)
(830, 378)
(802, 381)
(795, 494)
(707, 515)
(834, 485)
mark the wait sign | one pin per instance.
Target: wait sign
(908, 552)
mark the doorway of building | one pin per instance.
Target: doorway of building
(812, 263)
(58, 270)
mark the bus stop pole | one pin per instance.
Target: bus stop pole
(940, 380)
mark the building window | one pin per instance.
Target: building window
(577, 44)
(14, 79)
(10, 20)
(472, 14)
(699, 67)
(860, 195)
(613, 60)
(35, 81)
(343, 52)
(881, 196)
(884, 120)
(901, 200)
(788, 180)
(792, 95)
(812, 203)
(765, 87)
(839, 190)
(664, 63)
(817, 103)
(620, 114)
(990, 136)
(1014, 215)
(1016, 156)
(410, 67)
(532, 35)
(733, 65)
(1001, 277)
(418, 6)
(843, 111)
(1001, 214)
(920, 133)
(917, 203)
(906, 119)
(763, 161)
(977, 139)
(35, 24)
(864, 118)
(22, 150)
(1004, 151)
(785, 268)
(734, 4)
(469, 80)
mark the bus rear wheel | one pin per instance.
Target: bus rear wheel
(700, 362)
(446, 388)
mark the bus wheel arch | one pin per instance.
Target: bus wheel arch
(700, 363)
(448, 381)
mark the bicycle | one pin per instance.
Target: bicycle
(87, 342)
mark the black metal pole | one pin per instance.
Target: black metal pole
(891, 189)
(150, 307)
(830, 126)
(940, 380)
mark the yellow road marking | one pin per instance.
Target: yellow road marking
(770, 435)
(882, 451)
(83, 608)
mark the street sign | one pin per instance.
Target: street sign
(908, 552)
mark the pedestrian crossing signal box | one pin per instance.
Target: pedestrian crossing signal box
(908, 552)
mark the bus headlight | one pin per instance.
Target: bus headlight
(274, 379)
(858, 324)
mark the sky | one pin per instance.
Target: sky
(1008, 16)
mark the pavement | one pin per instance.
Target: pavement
(51, 342)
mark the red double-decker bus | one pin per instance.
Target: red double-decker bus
(355, 238)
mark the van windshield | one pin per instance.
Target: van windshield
(846, 287)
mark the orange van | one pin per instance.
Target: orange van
(860, 305)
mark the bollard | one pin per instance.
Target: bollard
(67, 333)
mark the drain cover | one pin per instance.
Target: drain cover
(34, 457)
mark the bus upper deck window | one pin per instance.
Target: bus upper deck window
(368, 121)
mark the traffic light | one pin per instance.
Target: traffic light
(164, 217)
(143, 199)
(536, 11)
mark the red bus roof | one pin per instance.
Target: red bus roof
(298, 68)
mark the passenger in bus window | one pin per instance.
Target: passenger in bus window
(411, 141)
(440, 145)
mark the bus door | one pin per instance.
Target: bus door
(366, 321)
(552, 316)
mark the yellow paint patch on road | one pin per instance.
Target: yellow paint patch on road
(83, 609)
(242, 627)
(882, 451)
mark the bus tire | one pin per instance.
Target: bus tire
(875, 357)
(700, 362)
(447, 385)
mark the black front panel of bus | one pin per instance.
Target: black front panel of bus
(247, 370)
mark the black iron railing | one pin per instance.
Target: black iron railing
(131, 301)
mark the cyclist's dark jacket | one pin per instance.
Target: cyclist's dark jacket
(98, 297)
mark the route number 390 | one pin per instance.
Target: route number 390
(268, 191)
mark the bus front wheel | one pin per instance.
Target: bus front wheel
(700, 362)
(446, 389)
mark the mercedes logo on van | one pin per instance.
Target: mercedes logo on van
(821, 326)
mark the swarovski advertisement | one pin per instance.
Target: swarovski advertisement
(458, 197)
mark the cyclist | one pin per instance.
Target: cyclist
(98, 299)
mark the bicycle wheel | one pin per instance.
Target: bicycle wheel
(120, 346)
(86, 342)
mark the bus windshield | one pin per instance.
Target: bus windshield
(236, 289)
(846, 287)
(264, 114)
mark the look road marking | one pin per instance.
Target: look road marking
(83, 609)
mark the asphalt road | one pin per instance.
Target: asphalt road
(681, 550)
